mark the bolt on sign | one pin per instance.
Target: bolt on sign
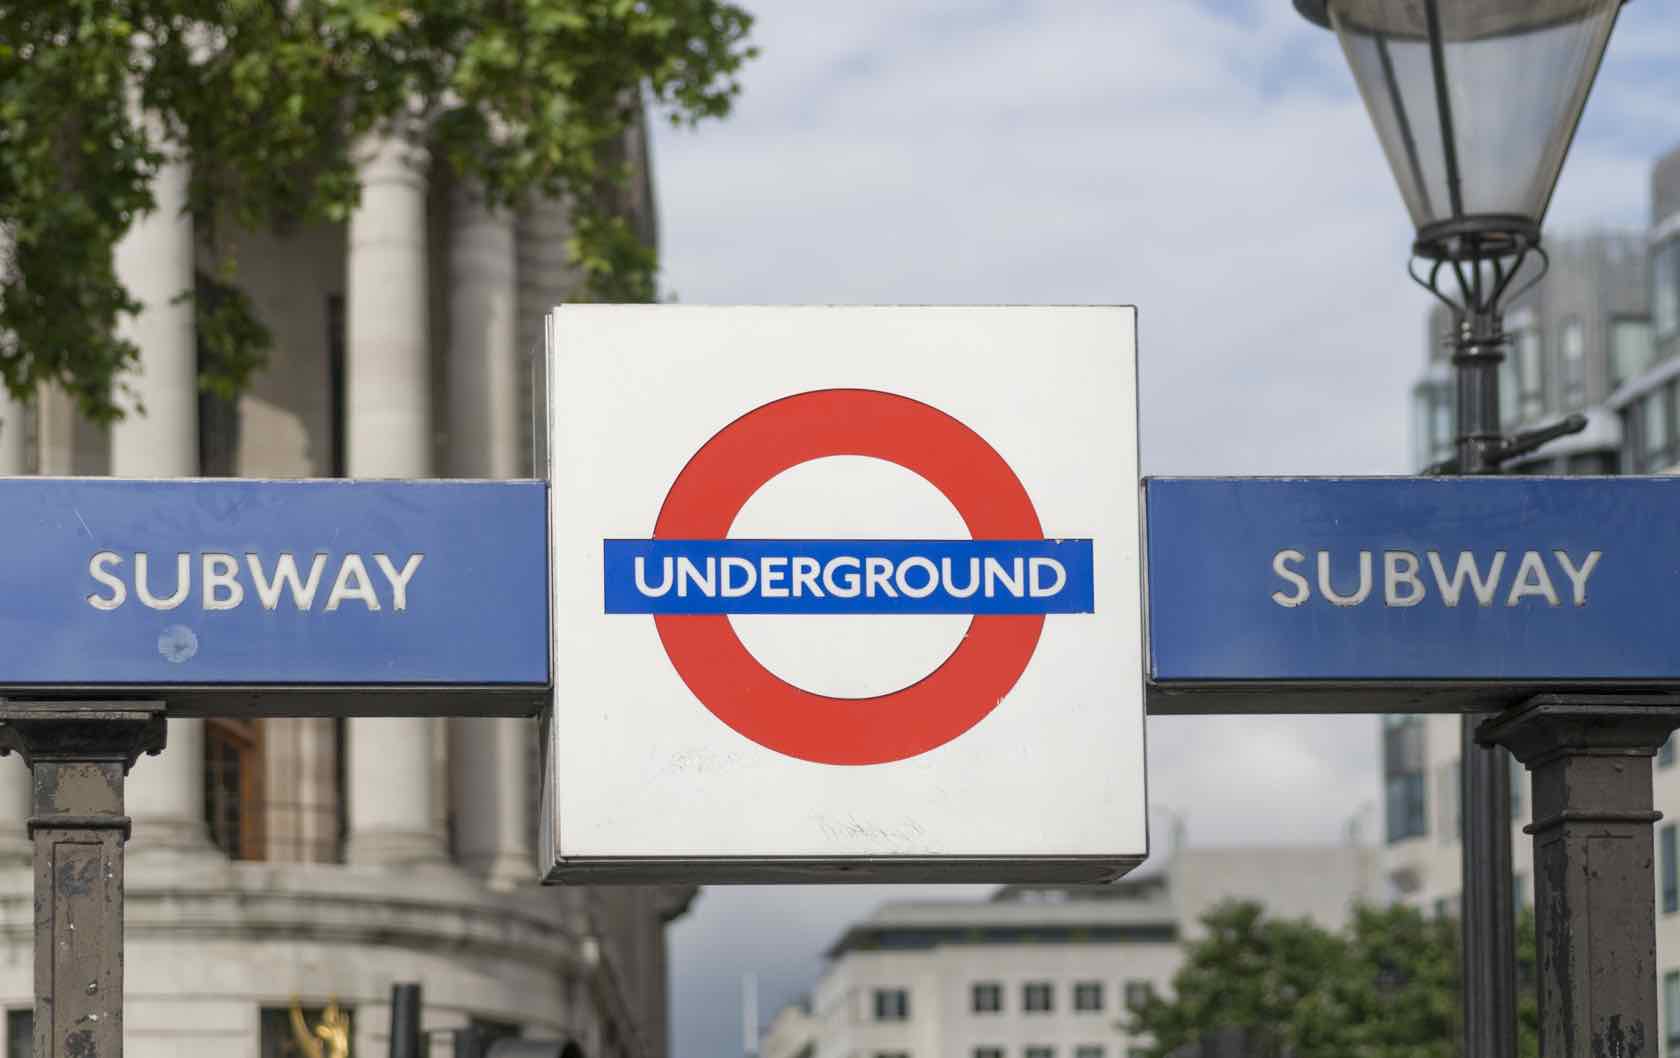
(844, 593)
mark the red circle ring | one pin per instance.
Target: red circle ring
(728, 680)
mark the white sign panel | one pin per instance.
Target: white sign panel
(844, 593)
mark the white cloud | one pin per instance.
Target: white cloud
(1210, 164)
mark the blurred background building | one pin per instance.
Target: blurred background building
(303, 862)
(1046, 972)
(1600, 335)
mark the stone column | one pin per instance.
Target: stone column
(14, 774)
(488, 783)
(13, 423)
(1594, 887)
(488, 769)
(484, 362)
(158, 438)
(388, 402)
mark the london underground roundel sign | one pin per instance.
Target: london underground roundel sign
(679, 749)
(726, 678)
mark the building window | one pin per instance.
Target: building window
(1138, 994)
(892, 1004)
(1088, 995)
(20, 1032)
(1036, 997)
(1432, 430)
(1448, 827)
(988, 997)
(1671, 1012)
(1089, 1050)
(1665, 756)
(1656, 428)
(1670, 882)
(1039, 1052)
(297, 1032)
(1665, 290)
(1531, 378)
(988, 1052)
(233, 783)
(1406, 815)
(1405, 777)
(1573, 349)
(1631, 349)
(892, 1054)
(1519, 784)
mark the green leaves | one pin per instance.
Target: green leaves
(267, 102)
(1385, 987)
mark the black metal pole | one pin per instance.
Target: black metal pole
(1488, 913)
(1595, 915)
(405, 1021)
(79, 754)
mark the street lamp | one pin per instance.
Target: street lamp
(1476, 103)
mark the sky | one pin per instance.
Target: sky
(1208, 161)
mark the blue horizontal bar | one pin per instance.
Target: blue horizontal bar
(1414, 580)
(848, 576)
(191, 584)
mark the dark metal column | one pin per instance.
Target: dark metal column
(1488, 913)
(1595, 896)
(78, 755)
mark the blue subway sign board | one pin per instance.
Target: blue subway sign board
(286, 598)
(1283, 595)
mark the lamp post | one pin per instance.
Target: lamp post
(1476, 103)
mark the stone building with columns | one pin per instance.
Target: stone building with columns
(281, 863)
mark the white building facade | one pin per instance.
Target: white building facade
(1600, 336)
(1045, 973)
(305, 862)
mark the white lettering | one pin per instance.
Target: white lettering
(97, 570)
(220, 573)
(1484, 588)
(951, 581)
(399, 578)
(285, 572)
(1578, 577)
(1280, 566)
(1401, 568)
(877, 573)
(736, 562)
(641, 577)
(847, 587)
(772, 571)
(352, 583)
(688, 573)
(805, 571)
(1326, 589)
(917, 562)
(183, 581)
(1036, 587)
(1013, 581)
(1532, 579)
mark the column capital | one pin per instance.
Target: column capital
(393, 157)
(1549, 726)
(82, 731)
